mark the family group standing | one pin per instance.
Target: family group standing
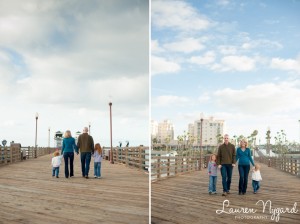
(225, 160)
(85, 145)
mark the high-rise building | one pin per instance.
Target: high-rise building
(165, 132)
(211, 128)
(154, 129)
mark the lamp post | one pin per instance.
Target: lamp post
(49, 137)
(36, 119)
(201, 122)
(111, 149)
(90, 128)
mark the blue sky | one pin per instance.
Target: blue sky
(234, 60)
(66, 60)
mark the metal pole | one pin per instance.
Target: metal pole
(35, 150)
(49, 137)
(90, 128)
(111, 148)
(201, 143)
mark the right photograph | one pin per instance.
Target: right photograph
(225, 111)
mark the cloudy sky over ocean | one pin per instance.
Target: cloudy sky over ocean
(233, 60)
(66, 60)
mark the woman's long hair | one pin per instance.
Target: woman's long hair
(98, 148)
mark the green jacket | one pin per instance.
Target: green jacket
(226, 154)
(85, 143)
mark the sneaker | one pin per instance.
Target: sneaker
(224, 193)
(99, 177)
(95, 176)
(254, 192)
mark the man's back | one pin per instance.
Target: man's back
(85, 143)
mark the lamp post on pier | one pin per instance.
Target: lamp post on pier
(89, 128)
(111, 148)
(49, 137)
(36, 120)
(201, 123)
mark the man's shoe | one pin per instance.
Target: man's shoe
(240, 193)
(228, 192)
(224, 193)
(87, 177)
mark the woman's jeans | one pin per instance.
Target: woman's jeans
(69, 156)
(212, 184)
(97, 169)
(244, 173)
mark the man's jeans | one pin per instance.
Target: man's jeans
(85, 163)
(226, 172)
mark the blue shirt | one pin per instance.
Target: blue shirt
(69, 145)
(244, 157)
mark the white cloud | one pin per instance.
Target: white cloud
(170, 100)
(235, 63)
(227, 49)
(261, 43)
(160, 65)
(187, 45)
(266, 98)
(208, 58)
(155, 48)
(177, 15)
(286, 64)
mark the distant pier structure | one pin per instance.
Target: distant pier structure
(77, 135)
(58, 137)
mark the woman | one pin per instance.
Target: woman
(243, 156)
(68, 148)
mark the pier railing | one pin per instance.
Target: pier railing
(163, 166)
(287, 164)
(137, 157)
(16, 153)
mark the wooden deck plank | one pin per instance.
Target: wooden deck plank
(185, 198)
(29, 194)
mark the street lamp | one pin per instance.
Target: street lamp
(36, 119)
(111, 149)
(201, 143)
(49, 137)
(90, 128)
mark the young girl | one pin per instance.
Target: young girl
(256, 178)
(212, 172)
(56, 161)
(97, 161)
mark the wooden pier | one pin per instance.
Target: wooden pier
(29, 194)
(185, 199)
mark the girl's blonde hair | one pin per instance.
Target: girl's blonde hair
(98, 148)
(244, 140)
(257, 167)
(56, 153)
(210, 158)
(67, 134)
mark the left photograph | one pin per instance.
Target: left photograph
(74, 136)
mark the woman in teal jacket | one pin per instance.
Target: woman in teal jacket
(67, 150)
(243, 156)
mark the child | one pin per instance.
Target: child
(56, 161)
(256, 178)
(97, 161)
(212, 172)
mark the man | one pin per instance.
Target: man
(226, 161)
(86, 145)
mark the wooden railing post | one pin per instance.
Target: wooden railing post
(158, 169)
(176, 161)
(140, 158)
(126, 157)
(168, 167)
